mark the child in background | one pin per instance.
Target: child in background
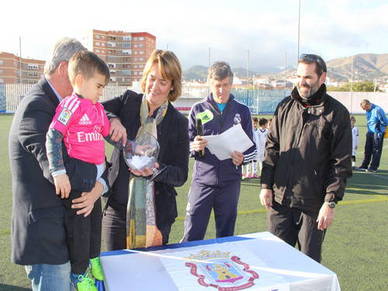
(355, 139)
(261, 133)
(269, 123)
(81, 123)
(249, 170)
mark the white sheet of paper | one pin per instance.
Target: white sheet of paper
(233, 139)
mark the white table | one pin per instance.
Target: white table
(258, 261)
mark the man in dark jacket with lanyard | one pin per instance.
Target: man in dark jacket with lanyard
(308, 160)
(216, 184)
(376, 123)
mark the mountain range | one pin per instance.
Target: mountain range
(359, 67)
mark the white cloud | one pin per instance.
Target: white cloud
(268, 30)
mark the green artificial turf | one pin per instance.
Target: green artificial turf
(355, 247)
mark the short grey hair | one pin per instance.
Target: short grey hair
(63, 50)
(365, 102)
(219, 71)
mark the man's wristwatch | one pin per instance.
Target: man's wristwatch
(330, 200)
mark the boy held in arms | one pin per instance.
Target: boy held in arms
(81, 123)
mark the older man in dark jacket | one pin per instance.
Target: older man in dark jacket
(38, 231)
(308, 159)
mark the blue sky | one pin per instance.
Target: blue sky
(267, 29)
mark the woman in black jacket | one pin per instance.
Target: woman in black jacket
(161, 84)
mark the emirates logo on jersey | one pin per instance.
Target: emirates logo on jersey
(89, 136)
(84, 120)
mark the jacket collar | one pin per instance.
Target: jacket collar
(46, 87)
(318, 98)
(213, 103)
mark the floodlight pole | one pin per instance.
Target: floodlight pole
(298, 32)
(351, 86)
(248, 67)
(209, 56)
(20, 59)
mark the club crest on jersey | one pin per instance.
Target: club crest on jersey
(237, 119)
(64, 117)
(221, 270)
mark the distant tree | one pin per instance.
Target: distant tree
(364, 86)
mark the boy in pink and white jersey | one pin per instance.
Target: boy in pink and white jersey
(81, 123)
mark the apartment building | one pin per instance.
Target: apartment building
(125, 53)
(14, 69)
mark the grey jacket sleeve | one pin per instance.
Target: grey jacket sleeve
(54, 151)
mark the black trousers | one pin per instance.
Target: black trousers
(83, 234)
(295, 226)
(114, 227)
(372, 151)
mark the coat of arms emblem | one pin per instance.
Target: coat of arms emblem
(221, 270)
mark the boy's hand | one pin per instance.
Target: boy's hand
(117, 131)
(62, 185)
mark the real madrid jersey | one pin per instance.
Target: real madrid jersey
(83, 125)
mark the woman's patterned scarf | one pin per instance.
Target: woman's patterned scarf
(141, 223)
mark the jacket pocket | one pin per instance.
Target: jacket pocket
(47, 232)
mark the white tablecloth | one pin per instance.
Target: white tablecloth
(258, 261)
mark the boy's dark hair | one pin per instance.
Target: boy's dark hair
(263, 121)
(254, 119)
(87, 64)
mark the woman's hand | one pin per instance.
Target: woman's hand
(117, 131)
(85, 203)
(146, 171)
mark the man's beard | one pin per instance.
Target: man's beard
(313, 89)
